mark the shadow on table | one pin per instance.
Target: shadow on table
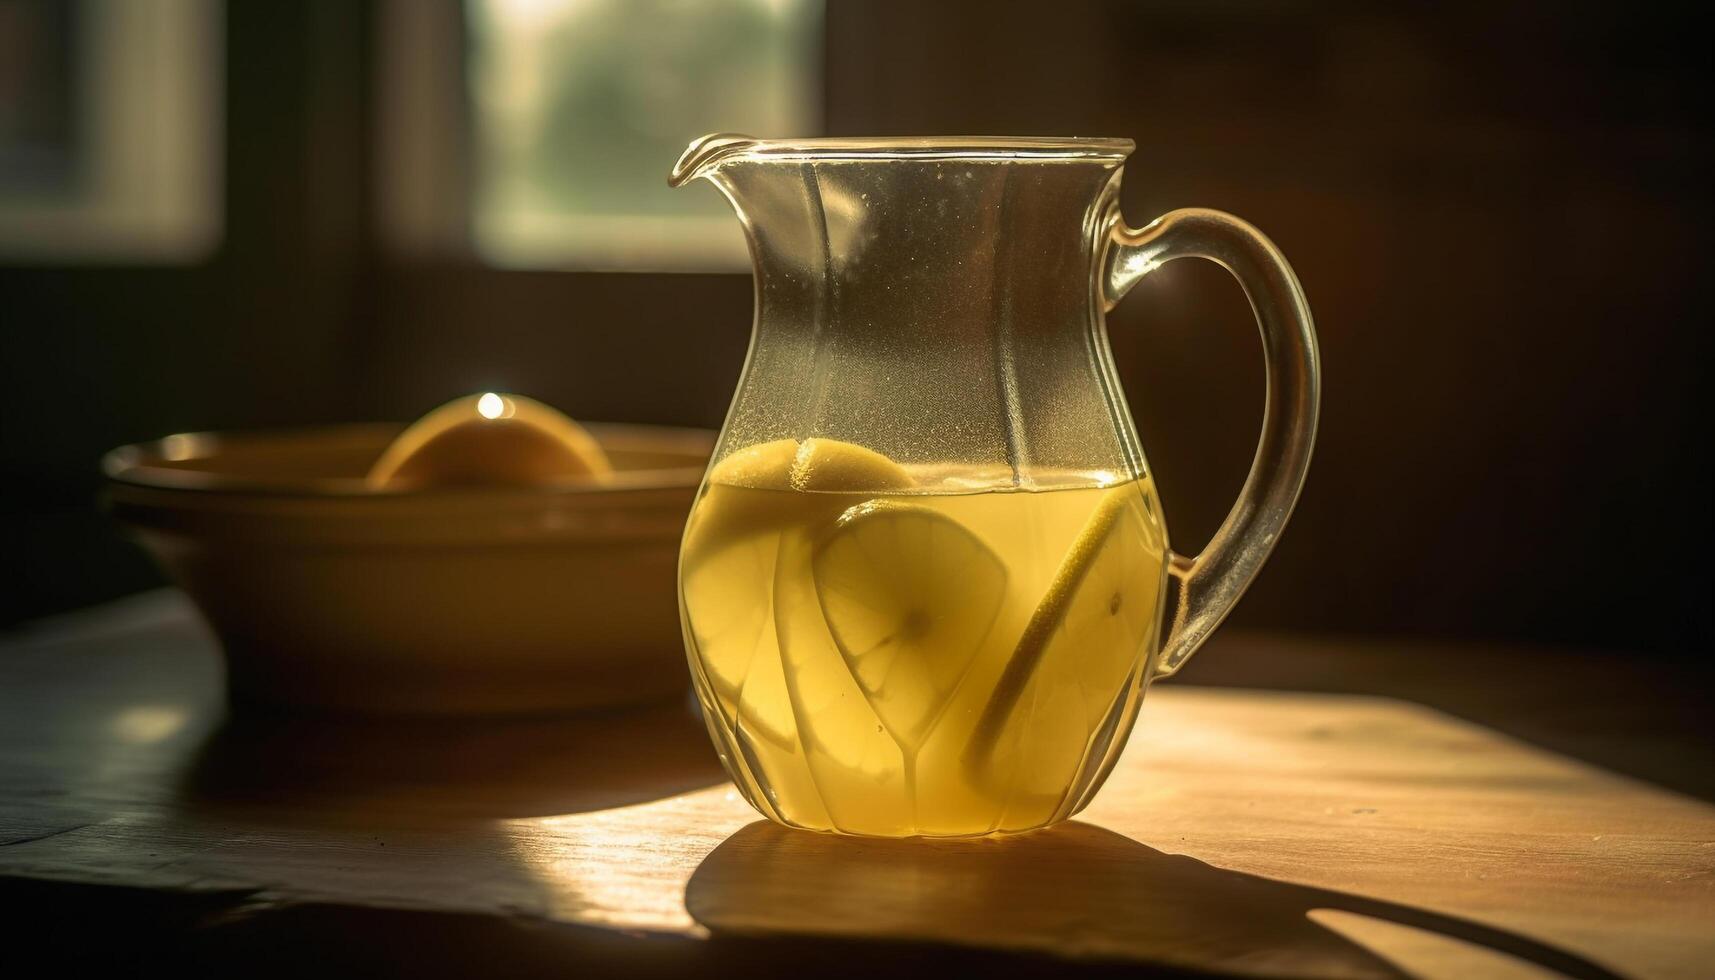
(456, 768)
(1076, 887)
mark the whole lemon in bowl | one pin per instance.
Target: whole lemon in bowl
(489, 440)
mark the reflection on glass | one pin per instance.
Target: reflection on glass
(578, 105)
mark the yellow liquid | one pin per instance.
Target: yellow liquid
(922, 663)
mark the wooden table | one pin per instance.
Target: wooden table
(1245, 832)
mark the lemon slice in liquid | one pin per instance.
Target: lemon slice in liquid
(1080, 647)
(909, 595)
(830, 465)
(814, 464)
(730, 550)
(735, 640)
(764, 466)
(806, 478)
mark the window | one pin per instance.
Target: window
(576, 111)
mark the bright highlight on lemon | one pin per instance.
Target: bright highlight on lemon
(881, 656)
(491, 406)
(488, 440)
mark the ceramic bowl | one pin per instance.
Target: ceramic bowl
(327, 594)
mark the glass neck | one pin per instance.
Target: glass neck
(937, 311)
(922, 247)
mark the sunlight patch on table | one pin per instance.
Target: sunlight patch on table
(573, 857)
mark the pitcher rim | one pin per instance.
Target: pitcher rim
(707, 152)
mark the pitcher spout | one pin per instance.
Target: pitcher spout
(705, 153)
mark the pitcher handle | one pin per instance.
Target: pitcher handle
(1204, 588)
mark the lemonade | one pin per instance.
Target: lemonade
(928, 651)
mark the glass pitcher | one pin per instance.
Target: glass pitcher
(927, 579)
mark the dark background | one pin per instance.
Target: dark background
(1500, 213)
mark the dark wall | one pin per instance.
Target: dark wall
(266, 332)
(1498, 216)
(1498, 211)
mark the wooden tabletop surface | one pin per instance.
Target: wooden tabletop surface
(1250, 833)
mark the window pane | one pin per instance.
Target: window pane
(581, 107)
(110, 130)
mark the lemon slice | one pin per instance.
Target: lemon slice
(728, 635)
(909, 594)
(764, 466)
(730, 549)
(733, 629)
(829, 465)
(1083, 641)
(814, 464)
(856, 763)
(764, 704)
(807, 479)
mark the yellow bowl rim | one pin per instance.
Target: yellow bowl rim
(138, 464)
